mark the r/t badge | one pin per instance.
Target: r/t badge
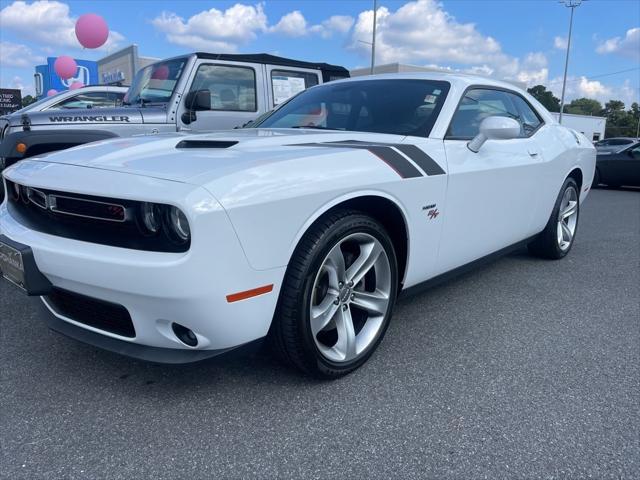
(432, 211)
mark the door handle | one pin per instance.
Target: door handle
(533, 153)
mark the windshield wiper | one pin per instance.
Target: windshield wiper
(316, 127)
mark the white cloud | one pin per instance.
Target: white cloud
(338, 23)
(25, 89)
(533, 70)
(560, 43)
(18, 56)
(214, 29)
(294, 24)
(48, 23)
(628, 47)
(579, 87)
(421, 31)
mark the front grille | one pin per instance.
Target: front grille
(99, 314)
(89, 218)
(79, 207)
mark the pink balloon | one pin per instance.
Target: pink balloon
(65, 67)
(160, 73)
(92, 31)
(76, 85)
(52, 92)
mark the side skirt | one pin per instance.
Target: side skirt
(456, 272)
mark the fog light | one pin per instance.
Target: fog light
(185, 335)
(21, 148)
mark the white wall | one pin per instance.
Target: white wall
(592, 127)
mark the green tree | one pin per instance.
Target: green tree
(28, 100)
(545, 97)
(584, 106)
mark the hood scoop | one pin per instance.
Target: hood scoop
(206, 144)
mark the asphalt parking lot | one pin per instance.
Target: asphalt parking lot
(521, 369)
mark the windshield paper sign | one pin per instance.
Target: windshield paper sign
(286, 87)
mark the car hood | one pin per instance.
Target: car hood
(200, 158)
(86, 117)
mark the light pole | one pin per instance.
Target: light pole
(572, 4)
(373, 39)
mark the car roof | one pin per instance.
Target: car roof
(266, 58)
(460, 79)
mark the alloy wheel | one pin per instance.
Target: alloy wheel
(350, 297)
(567, 218)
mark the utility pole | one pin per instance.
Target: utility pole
(373, 40)
(572, 4)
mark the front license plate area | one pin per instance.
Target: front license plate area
(18, 266)
(12, 266)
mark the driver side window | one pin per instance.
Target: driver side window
(232, 88)
(480, 103)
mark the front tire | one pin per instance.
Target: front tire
(337, 297)
(556, 240)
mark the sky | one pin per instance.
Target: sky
(523, 40)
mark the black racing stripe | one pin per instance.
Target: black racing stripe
(396, 161)
(387, 154)
(424, 161)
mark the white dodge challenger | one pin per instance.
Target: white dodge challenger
(302, 229)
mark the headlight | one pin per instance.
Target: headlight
(178, 224)
(15, 191)
(150, 217)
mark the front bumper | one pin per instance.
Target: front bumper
(156, 288)
(171, 356)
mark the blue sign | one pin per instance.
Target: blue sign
(46, 77)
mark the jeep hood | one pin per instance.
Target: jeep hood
(196, 159)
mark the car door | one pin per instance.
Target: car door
(237, 95)
(622, 168)
(491, 194)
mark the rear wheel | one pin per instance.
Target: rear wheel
(556, 240)
(337, 297)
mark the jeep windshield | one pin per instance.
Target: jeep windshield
(155, 83)
(395, 106)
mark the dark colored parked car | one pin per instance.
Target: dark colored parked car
(614, 144)
(618, 168)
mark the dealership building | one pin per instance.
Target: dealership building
(117, 68)
(120, 67)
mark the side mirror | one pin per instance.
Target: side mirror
(494, 128)
(198, 100)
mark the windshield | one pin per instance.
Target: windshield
(35, 105)
(156, 83)
(395, 106)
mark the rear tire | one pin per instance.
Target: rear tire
(337, 297)
(556, 240)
